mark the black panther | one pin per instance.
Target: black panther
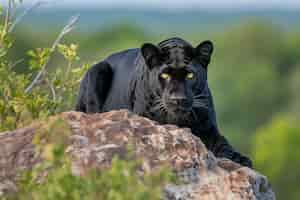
(165, 82)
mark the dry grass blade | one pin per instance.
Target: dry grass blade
(28, 10)
(67, 28)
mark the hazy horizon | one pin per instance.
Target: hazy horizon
(176, 5)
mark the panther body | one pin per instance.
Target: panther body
(166, 83)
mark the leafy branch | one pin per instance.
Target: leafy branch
(69, 27)
(19, 103)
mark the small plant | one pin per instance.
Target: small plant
(120, 182)
(38, 93)
(41, 92)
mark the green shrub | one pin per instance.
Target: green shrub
(41, 91)
(276, 154)
(120, 182)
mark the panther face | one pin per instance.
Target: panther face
(178, 86)
(178, 74)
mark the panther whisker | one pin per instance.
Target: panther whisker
(200, 95)
(156, 103)
(162, 109)
(158, 106)
(201, 100)
(199, 105)
(157, 100)
(205, 107)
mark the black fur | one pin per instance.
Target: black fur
(93, 93)
(165, 82)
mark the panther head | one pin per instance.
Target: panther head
(178, 74)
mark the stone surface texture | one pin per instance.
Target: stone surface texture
(96, 138)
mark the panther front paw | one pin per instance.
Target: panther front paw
(236, 157)
(241, 159)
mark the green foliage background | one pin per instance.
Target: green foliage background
(254, 76)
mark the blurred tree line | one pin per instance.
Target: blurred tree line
(37, 81)
(254, 77)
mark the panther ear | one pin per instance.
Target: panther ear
(203, 52)
(151, 54)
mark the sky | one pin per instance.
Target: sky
(174, 4)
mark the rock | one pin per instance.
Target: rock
(96, 138)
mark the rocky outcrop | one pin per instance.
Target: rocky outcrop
(94, 139)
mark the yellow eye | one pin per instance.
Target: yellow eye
(190, 76)
(165, 76)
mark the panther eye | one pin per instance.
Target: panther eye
(190, 75)
(165, 76)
